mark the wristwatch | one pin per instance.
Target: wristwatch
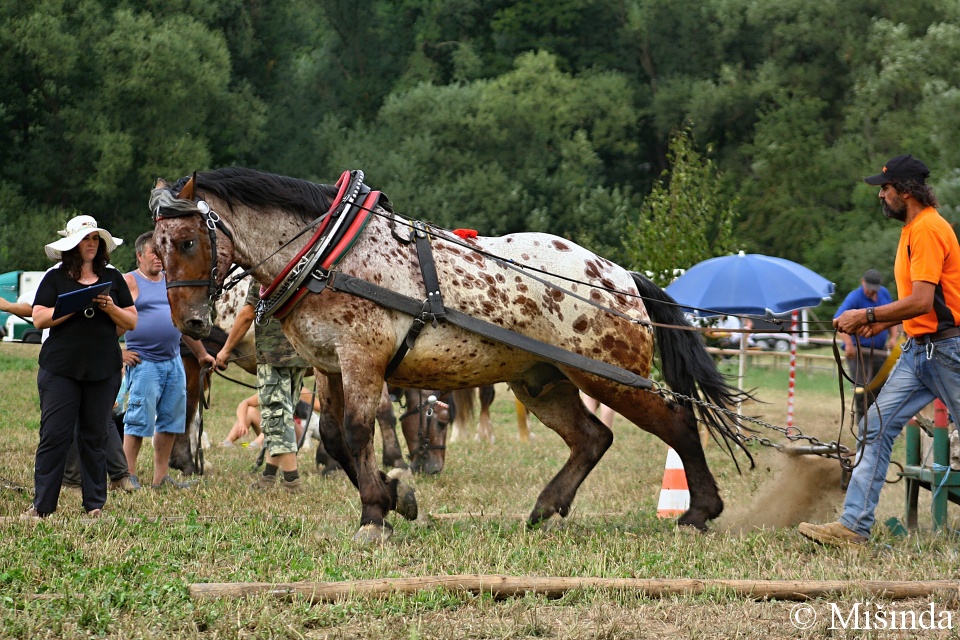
(871, 318)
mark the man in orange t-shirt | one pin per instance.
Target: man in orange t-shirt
(927, 270)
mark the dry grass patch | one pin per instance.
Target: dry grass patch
(127, 575)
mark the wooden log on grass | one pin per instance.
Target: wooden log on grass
(501, 586)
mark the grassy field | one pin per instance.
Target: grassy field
(127, 575)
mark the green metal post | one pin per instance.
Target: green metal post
(912, 482)
(941, 457)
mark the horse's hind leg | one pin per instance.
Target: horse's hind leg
(557, 404)
(677, 427)
(485, 426)
(392, 455)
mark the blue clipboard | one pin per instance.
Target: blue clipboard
(68, 303)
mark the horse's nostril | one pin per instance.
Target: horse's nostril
(196, 328)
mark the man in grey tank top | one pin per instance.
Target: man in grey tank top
(158, 386)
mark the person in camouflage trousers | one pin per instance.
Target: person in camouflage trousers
(280, 372)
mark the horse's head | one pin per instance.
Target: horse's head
(424, 425)
(196, 249)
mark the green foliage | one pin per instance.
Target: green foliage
(685, 220)
(522, 152)
(504, 116)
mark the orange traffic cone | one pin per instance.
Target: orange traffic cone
(674, 493)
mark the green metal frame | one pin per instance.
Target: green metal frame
(915, 475)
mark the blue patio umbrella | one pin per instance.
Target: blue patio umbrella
(748, 284)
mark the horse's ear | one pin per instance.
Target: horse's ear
(161, 184)
(187, 193)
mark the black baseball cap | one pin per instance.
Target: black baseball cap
(872, 279)
(900, 168)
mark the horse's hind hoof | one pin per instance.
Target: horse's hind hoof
(688, 522)
(332, 471)
(370, 534)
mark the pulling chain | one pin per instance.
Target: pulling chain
(815, 446)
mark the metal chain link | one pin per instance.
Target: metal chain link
(832, 449)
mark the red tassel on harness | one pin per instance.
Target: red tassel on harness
(466, 234)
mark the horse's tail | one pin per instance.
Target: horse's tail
(689, 369)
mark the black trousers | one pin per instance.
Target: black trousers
(67, 407)
(116, 460)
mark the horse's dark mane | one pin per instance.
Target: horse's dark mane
(237, 185)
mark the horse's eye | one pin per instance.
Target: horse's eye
(187, 245)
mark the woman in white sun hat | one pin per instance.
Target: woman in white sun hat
(80, 363)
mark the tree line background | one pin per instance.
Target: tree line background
(655, 132)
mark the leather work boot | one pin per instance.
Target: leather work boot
(264, 483)
(833, 534)
(292, 486)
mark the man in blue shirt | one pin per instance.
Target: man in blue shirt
(873, 351)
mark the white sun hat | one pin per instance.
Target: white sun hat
(77, 229)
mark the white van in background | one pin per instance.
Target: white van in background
(19, 286)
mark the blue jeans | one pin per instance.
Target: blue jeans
(922, 374)
(158, 398)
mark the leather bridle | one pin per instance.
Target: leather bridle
(213, 222)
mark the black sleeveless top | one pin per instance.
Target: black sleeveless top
(80, 347)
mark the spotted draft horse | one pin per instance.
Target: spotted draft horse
(578, 322)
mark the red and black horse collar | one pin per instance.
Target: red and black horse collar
(344, 221)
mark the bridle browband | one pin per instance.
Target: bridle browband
(212, 221)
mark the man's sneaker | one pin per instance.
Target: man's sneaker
(833, 534)
(170, 483)
(94, 513)
(291, 486)
(263, 483)
(73, 488)
(128, 484)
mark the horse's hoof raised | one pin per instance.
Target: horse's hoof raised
(401, 474)
(406, 495)
(406, 501)
(373, 534)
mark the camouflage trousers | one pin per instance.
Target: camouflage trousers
(278, 394)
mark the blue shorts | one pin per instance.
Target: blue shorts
(158, 398)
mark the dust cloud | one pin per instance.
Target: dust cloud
(798, 489)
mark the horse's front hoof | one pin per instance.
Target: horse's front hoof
(553, 524)
(370, 534)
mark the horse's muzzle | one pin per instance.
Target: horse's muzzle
(197, 328)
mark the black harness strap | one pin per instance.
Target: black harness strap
(432, 309)
(337, 281)
(428, 268)
(419, 322)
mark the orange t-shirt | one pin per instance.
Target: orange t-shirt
(929, 252)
